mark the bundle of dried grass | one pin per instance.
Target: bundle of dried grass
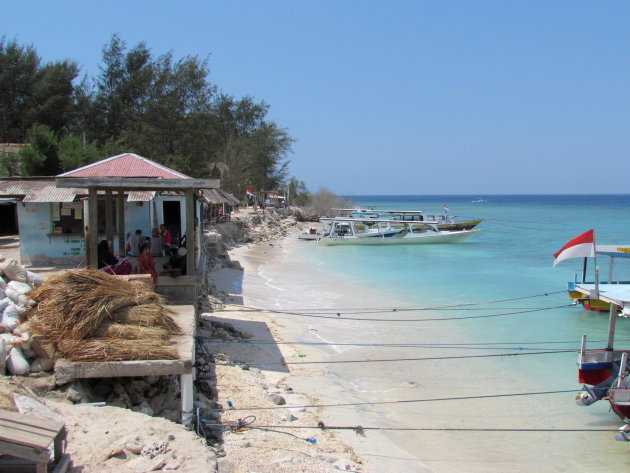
(78, 307)
(147, 315)
(115, 349)
(132, 332)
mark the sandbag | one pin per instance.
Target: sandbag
(17, 363)
(19, 287)
(3, 304)
(3, 284)
(13, 270)
(19, 299)
(3, 358)
(34, 280)
(11, 316)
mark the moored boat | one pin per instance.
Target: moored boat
(354, 231)
(443, 222)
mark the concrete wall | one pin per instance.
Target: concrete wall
(37, 244)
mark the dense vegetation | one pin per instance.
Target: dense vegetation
(161, 107)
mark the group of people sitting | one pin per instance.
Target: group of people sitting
(159, 244)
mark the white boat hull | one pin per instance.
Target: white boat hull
(403, 239)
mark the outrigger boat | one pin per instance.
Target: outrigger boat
(603, 371)
(354, 231)
(443, 222)
(583, 292)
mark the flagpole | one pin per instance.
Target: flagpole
(596, 293)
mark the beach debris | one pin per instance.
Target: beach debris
(277, 399)
(30, 406)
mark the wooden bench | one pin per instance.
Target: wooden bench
(30, 438)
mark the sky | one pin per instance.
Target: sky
(394, 97)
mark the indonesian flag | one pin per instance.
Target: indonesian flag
(579, 247)
(249, 191)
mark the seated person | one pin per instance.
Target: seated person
(134, 242)
(166, 236)
(156, 243)
(176, 265)
(146, 263)
(109, 263)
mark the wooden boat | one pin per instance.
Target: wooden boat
(604, 371)
(619, 393)
(443, 222)
(354, 231)
(587, 293)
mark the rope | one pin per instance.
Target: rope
(285, 363)
(407, 401)
(241, 308)
(432, 319)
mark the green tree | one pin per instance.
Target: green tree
(31, 93)
(298, 192)
(41, 156)
(267, 163)
(121, 89)
(75, 152)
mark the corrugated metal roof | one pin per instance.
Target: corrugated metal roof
(140, 196)
(233, 200)
(38, 190)
(218, 196)
(125, 165)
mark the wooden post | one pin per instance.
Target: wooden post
(190, 231)
(120, 216)
(109, 216)
(611, 330)
(622, 369)
(93, 229)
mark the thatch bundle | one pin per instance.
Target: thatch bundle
(90, 315)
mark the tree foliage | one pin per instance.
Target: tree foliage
(32, 93)
(163, 108)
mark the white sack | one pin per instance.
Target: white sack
(13, 270)
(17, 363)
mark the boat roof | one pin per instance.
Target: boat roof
(372, 220)
(414, 212)
(616, 251)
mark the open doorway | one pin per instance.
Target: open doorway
(8, 218)
(173, 219)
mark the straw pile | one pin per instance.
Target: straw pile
(90, 315)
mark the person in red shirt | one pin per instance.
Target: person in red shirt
(166, 235)
(146, 263)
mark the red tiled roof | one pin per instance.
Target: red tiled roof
(125, 165)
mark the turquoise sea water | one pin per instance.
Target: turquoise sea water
(509, 261)
(511, 258)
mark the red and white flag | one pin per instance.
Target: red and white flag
(249, 191)
(581, 246)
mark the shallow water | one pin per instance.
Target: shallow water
(510, 261)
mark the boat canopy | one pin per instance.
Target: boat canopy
(616, 251)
